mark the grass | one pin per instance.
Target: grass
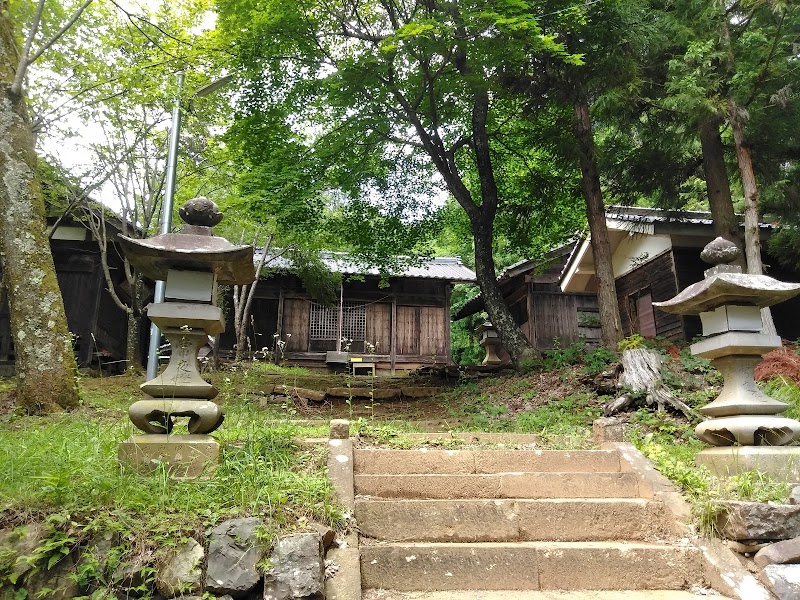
(62, 470)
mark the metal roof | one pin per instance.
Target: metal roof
(449, 268)
(659, 215)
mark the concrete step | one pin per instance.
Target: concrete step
(529, 566)
(426, 461)
(567, 520)
(701, 593)
(500, 485)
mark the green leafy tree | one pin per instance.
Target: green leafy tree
(375, 99)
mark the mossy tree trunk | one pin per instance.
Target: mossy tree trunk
(45, 363)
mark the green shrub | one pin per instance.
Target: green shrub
(598, 359)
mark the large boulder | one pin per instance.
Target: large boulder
(233, 553)
(782, 580)
(181, 570)
(59, 580)
(296, 569)
(758, 521)
(779, 553)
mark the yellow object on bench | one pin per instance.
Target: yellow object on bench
(358, 364)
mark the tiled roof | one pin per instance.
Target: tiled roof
(446, 267)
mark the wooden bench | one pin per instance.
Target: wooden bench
(359, 364)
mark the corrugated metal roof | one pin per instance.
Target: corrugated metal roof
(658, 215)
(448, 268)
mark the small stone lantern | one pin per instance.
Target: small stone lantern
(192, 263)
(489, 341)
(743, 424)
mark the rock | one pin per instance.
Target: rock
(608, 429)
(420, 392)
(779, 553)
(340, 429)
(326, 535)
(782, 580)
(305, 394)
(758, 521)
(60, 580)
(745, 546)
(297, 569)
(349, 392)
(794, 496)
(21, 541)
(182, 570)
(233, 552)
(128, 576)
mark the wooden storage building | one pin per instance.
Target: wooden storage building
(98, 326)
(547, 316)
(656, 254)
(399, 322)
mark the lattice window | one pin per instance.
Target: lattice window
(325, 321)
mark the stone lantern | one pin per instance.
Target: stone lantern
(489, 341)
(192, 263)
(743, 425)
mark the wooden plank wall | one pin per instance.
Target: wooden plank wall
(296, 320)
(555, 315)
(432, 329)
(379, 326)
(659, 277)
(408, 328)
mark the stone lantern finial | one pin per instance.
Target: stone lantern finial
(720, 252)
(200, 212)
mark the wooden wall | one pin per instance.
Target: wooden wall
(658, 278)
(416, 311)
(92, 315)
(558, 316)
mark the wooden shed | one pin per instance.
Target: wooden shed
(656, 254)
(546, 315)
(99, 327)
(399, 322)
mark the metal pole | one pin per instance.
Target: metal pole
(166, 221)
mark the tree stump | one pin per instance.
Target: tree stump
(641, 375)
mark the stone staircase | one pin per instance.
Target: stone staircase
(515, 524)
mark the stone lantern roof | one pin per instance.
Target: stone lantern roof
(194, 248)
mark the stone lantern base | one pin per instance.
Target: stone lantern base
(185, 456)
(779, 462)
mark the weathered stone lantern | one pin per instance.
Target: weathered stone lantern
(744, 425)
(489, 341)
(192, 263)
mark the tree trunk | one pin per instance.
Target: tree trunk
(133, 350)
(610, 322)
(45, 363)
(718, 187)
(752, 234)
(642, 375)
(512, 338)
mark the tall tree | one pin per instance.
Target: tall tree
(375, 87)
(45, 363)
